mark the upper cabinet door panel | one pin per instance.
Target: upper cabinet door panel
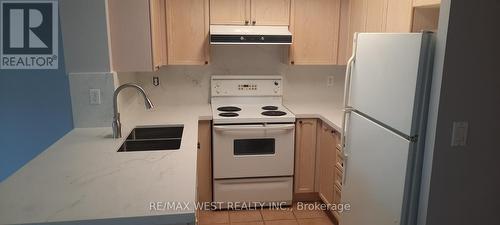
(187, 32)
(315, 27)
(229, 12)
(270, 12)
(375, 15)
(398, 16)
(130, 35)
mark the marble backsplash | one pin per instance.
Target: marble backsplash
(191, 84)
(184, 85)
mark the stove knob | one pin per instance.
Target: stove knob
(276, 83)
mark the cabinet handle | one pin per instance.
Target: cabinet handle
(254, 22)
(206, 62)
(247, 22)
(292, 62)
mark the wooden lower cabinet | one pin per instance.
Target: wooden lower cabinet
(305, 156)
(318, 162)
(204, 162)
(326, 163)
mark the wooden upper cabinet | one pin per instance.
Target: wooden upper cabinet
(158, 33)
(270, 12)
(250, 12)
(420, 3)
(315, 28)
(343, 55)
(305, 156)
(376, 16)
(187, 32)
(425, 18)
(398, 16)
(137, 35)
(229, 12)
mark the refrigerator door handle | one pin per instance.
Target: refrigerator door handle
(348, 73)
(347, 111)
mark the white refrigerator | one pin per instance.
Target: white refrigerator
(387, 90)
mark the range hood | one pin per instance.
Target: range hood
(249, 35)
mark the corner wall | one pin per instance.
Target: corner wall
(464, 182)
(35, 112)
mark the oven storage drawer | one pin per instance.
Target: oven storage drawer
(262, 190)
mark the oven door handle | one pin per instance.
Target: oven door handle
(248, 128)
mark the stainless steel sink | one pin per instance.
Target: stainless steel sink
(153, 138)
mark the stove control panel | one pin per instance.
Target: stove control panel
(247, 86)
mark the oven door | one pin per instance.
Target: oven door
(257, 150)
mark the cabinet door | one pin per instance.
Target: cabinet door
(327, 162)
(315, 28)
(305, 155)
(229, 12)
(158, 33)
(187, 32)
(204, 162)
(130, 27)
(343, 55)
(375, 15)
(270, 12)
(357, 21)
(398, 16)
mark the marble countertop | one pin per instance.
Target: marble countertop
(82, 177)
(329, 112)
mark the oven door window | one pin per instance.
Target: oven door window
(264, 146)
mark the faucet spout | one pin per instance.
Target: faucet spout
(117, 127)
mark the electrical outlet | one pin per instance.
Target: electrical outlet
(95, 96)
(329, 81)
(459, 135)
(156, 81)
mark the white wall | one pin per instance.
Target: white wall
(85, 35)
(464, 183)
(84, 27)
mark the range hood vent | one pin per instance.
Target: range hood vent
(249, 35)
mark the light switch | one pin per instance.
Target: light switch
(95, 96)
(459, 135)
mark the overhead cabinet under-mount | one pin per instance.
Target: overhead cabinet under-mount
(250, 12)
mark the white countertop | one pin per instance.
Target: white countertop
(83, 177)
(330, 112)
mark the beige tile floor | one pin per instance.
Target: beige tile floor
(289, 216)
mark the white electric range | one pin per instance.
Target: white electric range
(253, 141)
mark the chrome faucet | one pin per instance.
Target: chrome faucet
(117, 126)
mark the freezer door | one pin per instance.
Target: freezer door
(374, 175)
(384, 78)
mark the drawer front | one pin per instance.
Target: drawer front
(338, 176)
(339, 159)
(262, 190)
(337, 195)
